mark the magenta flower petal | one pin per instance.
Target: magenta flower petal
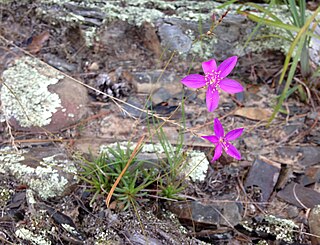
(233, 152)
(227, 66)
(217, 153)
(209, 66)
(212, 138)
(231, 86)
(233, 134)
(194, 81)
(218, 129)
(212, 99)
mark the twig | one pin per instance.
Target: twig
(296, 197)
(133, 154)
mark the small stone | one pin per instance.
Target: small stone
(207, 215)
(149, 81)
(141, 239)
(264, 176)
(197, 166)
(110, 127)
(254, 113)
(240, 97)
(133, 110)
(94, 66)
(60, 64)
(299, 196)
(292, 212)
(314, 225)
(161, 95)
(174, 39)
(312, 175)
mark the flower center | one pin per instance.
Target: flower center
(224, 143)
(213, 78)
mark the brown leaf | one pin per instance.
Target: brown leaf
(254, 113)
(37, 42)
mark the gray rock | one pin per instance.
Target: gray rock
(292, 212)
(315, 46)
(150, 81)
(60, 64)
(283, 230)
(207, 215)
(227, 36)
(140, 239)
(299, 196)
(133, 111)
(174, 39)
(161, 95)
(264, 176)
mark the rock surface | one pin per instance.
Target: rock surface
(264, 176)
(37, 97)
(314, 224)
(48, 172)
(207, 215)
(300, 196)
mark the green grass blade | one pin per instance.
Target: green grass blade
(278, 24)
(227, 4)
(302, 11)
(274, 36)
(294, 13)
(265, 11)
(295, 42)
(300, 41)
(289, 79)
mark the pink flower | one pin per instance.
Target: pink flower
(214, 78)
(222, 141)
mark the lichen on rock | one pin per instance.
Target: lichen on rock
(280, 229)
(30, 236)
(197, 165)
(25, 95)
(45, 177)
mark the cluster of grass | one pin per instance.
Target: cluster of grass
(102, 172)
(140, 181)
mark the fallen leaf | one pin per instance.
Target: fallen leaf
(254, 113)
(37, 42)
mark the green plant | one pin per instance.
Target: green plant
(299, 34)
(102, 173)
(171, 180)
